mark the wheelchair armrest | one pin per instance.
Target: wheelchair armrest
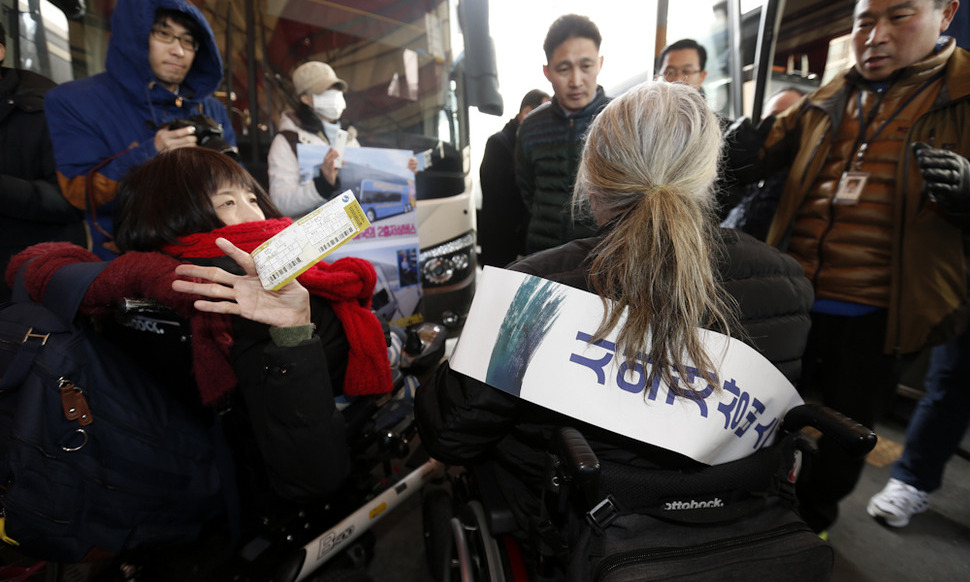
(131, 306)
(424, 346)
(854, 438)
(575, 453)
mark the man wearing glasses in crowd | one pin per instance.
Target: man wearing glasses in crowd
(103, 125)
(684, 62)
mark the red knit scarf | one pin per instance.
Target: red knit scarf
(347, 284)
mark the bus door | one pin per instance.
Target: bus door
(758, 47)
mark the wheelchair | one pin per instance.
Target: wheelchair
(607, 522)
(327, 542)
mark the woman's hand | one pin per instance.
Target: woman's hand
(243, 295)
(327, 169)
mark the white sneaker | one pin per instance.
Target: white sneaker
(897, 502)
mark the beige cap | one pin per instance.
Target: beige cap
(316, 77)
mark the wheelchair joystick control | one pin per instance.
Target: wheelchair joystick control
(412, 344)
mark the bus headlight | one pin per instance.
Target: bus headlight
(448, 263)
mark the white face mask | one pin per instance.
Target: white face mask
(330, 104)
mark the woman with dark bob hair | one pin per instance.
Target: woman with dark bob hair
(180, 187)
(269, 362)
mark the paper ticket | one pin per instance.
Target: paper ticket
(302, 244)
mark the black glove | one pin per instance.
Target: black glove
(946, 176)
(743, 142)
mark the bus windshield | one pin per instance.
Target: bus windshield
(396, 57)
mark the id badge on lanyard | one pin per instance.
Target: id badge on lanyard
(853, 181)
(850, 187)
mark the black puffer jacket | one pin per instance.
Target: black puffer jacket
(547, 151)
(32, 208)
(462, 421)
(285, 432)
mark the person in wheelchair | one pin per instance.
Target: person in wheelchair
(647, 174)
(291, 349)
(268, 364)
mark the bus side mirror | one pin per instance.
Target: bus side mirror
(72, 9)
(481, 72)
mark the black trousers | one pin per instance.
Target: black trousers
(844, 368)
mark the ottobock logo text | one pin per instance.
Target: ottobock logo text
(693, 504)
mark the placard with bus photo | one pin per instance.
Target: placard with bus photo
(384, 185)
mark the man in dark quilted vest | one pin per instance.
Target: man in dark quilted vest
(550, 139)
(875, 209)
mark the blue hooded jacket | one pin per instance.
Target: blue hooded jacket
(104, 125)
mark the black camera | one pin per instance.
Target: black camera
(208, 132)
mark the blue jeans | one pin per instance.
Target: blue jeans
(940, 419)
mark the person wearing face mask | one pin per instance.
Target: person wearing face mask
(316, 120)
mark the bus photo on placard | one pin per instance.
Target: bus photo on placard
(381, 199)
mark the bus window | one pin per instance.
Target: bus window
(37, 37)
(811, 46)
(707, 23)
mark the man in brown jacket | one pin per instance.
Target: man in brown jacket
(873, 218)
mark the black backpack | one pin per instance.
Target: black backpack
(95, 455)
(735, 521)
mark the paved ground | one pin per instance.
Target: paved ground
(935, 547)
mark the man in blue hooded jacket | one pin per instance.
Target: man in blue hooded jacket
(104, 125)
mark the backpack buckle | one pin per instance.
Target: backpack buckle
(603, 514)
(31, 335)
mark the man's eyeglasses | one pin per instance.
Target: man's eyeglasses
(168, 37)
(677, 75)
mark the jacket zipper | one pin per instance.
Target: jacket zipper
(897, 288)
(820, 248)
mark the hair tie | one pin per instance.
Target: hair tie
(657, 187)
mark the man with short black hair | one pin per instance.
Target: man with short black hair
(684, 62)
(550, 140)
(104, 125)
(32, 208)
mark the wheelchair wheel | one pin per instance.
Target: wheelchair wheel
(439, 545)
(484, 557)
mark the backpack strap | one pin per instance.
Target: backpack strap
(292, 138)
(713, 494)
(62, 297)
(67, 287)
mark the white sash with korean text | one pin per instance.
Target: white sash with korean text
(530, 337)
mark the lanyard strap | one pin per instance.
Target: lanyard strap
(863, 141)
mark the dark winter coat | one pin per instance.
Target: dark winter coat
(503, 220)
(281, 421)
(547, 152)
(463, 421)
(112, 117)
(32, 208)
